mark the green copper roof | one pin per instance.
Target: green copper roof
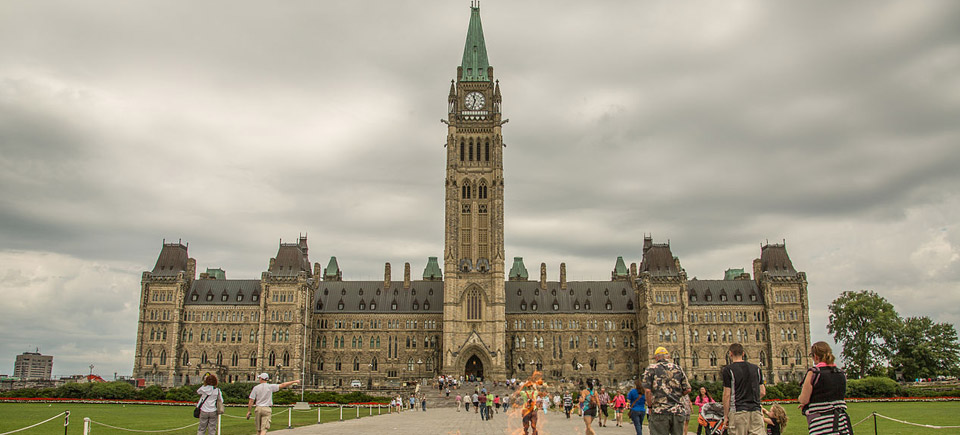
(620, 269)
(217, 273)
(732, 274)
(518, 271)
(432, 271)
(475, 61)
(332, 270)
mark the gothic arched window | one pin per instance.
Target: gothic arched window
(487, 150)
(356, 364)
(235, 360)
(471, 150)
(462, 155)
(186, 358)
(272, 359)
(473, 304)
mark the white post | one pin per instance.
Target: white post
(219, 417)
(358, 410)
(289, 418)
(341, 412)
(318, 414)
(378, 409)
(86, 425)
(371, 409)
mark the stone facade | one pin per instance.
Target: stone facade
(473, 317)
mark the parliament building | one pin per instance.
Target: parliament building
(467, 313)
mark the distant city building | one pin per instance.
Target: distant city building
(33, 365)
(469, 315)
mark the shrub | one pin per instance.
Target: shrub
(873, 386)
(153, 392)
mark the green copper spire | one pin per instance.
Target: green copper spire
(432, 271)
(475, 61)
(620, 270)
(518, 272)
(332, 272)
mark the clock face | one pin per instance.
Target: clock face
(474, 101)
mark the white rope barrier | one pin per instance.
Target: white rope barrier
(144, 431)
(928, 426)
(34, 425)
(864, 419)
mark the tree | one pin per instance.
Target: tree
(864, 323)
(924, 349)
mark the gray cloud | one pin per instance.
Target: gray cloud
(717, 126)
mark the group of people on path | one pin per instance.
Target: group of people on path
(666, 395)
(662, 392)
(484, 402)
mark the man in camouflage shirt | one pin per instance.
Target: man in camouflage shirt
(665, 384)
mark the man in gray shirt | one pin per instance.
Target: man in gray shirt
(262, 397)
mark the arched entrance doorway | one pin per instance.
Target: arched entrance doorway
(474, 368)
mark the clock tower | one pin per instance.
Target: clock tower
(473, 311)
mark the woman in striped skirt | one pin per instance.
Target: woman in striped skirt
(822, 398)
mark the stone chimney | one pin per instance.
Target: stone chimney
(386, 276)
(192, 268)
(543, 276)
(633, 270)
(563, 276)
(406, 276)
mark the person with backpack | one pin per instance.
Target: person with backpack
(590, 404)
(742, 390)
(637, 407)
(822, 398)
(210, 405)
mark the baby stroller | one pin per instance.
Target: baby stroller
(711, 417)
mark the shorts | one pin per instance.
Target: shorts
(603, 409)
(261, 417)
(590, 412)
(530, 418)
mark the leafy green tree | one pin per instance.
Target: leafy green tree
(924, 349)
(864, 323)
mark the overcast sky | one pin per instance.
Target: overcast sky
(232, 125)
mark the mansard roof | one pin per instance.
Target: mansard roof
(291, 259)
(658, 260)
(172, 260)
(426, 296)
(619, 293)
(219, 287)
(774, 260)
(701, 287)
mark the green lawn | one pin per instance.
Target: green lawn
(934, 413)
(149, 417)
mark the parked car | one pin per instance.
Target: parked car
(356, 383)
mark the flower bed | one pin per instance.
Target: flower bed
(157, 402)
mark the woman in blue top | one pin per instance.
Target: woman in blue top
(638, 407)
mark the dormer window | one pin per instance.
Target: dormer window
(426, 305)
(343, 292)
(340, 305)
(393, 306)
(576, 305)
(194, 297)
(556, 306)
(738, 297)
(256, 297)
(224, 297)
(586, 305)
(373, 305)
(239, 297)
(533, 305)
(609, 306)
(693, 297)
(629, 305)
(753, 297)
(363, 306)
(523, 305)
(416, 306)
(209, 296)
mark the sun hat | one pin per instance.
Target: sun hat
(264, 376)
(661, 351)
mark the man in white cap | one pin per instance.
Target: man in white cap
(262, 397)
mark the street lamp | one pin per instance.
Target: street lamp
(419, 366)
(279, 366)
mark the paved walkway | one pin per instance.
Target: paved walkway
(447, 421)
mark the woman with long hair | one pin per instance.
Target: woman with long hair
(589, 407)
(702, 398)
(209, 404)
(822, 397)
(775, 419)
